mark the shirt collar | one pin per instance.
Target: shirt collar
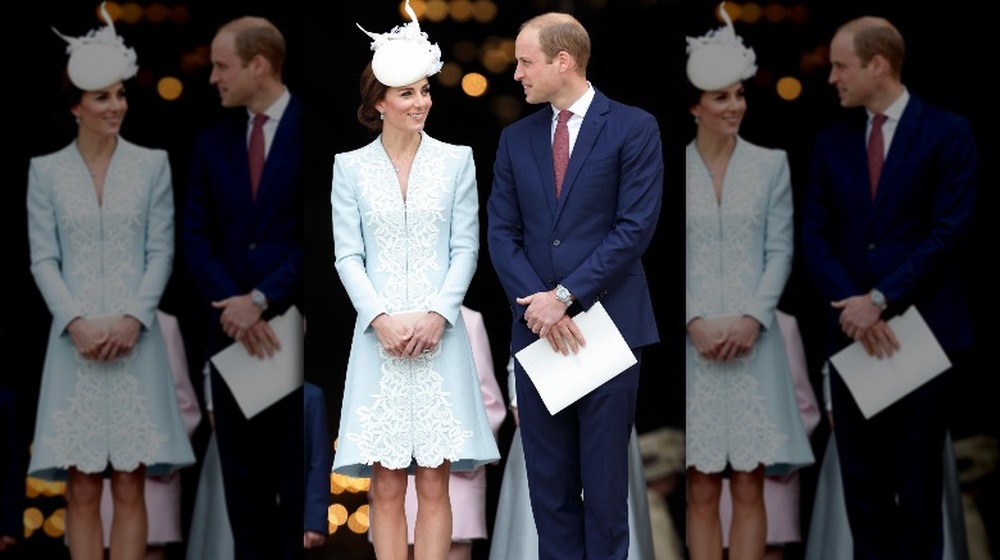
(895, 110)
(277, 109)
(580, 106)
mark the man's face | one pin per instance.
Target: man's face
(855, 83)
(234, 79)
(540, 79)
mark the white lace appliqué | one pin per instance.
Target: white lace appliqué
(411, 417)
(727, 418)
(106, 417)
(106, 421)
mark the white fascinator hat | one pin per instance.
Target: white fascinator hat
(99, 58)
(404, 55)
(719, 59)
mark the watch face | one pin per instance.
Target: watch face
(562, 294)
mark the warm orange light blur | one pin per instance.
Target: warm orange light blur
(450, 75)
(775, 12)
(157, 13)
(33, 518)
(751, 12)
(735, 11)
(474, 84)
(461, 10)
(55, 525)
(484, 11)
(789, 88)
(131, 12)
(495, 60)
(114, 10)
(357, 524)
(436, 10)
(169, 88)
(419, 7)
(799, 14)
(506, 108)
(180, 14)
(337, 514)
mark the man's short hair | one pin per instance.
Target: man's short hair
(562, 32)
(254, 36)
(874, 35)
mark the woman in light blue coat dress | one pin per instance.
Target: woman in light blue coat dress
(406, 238)
(100, 221)
(742, 415)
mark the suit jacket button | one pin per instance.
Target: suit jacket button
(871, 246)
(252, 246)
(556, 243)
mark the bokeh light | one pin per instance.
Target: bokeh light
(775, 12)
(169, 88)
(114, 10)
(450, 75)
(461, 10)
(436, 10)
(474, 84)
(337, 514)
(798, 14)
(507, 108)
(789, 88)
(131, 12)
(180, 13)
(55, 525)
(484, 11)
(751, 12)
(419, 8)
(157, 13)
(357, 523)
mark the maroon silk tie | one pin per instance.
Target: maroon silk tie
(876, 152)
(560, 149)
(256, 152)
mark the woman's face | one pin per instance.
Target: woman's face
(405, 108)
(721, 111)
(102, 111)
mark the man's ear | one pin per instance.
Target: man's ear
(260, 65)
(565, 60)
(880, 66)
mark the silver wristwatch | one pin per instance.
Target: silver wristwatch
(878, 298)
(259, 299)
(563, 295)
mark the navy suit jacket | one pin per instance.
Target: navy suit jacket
(592, 239)
(235, 243)
(906, 241)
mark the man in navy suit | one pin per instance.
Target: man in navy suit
(558, 253)
(243, 241)
(881, 233)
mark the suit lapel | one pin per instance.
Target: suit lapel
(856, 147)
(283, 138)
(541, 149)
(240, 161)
(902, 139)
(586, 138)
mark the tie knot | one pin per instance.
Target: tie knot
(564, 116)
(878, 119)
(259, 119)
